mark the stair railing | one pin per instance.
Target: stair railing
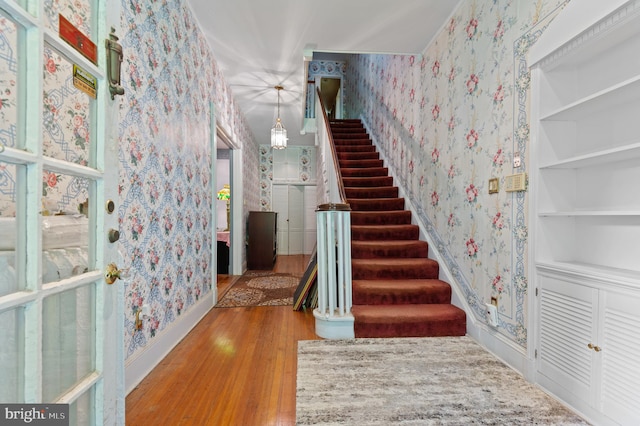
(333, 314)
(331, 176)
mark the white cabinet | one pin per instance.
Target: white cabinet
(585, 220)
(620, 364)
(589, 340)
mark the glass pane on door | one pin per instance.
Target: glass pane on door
(12, 356)
(66, 113)
(78, 12)
(65, 226)
(68, 342)
(8, 229)
(81, 411)
(8, 82)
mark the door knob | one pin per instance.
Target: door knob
(112, 273)
(114, 235)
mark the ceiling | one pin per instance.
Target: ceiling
(260, 44)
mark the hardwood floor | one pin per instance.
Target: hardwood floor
(236, 367)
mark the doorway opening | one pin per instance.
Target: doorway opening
(223, 208)
(330, 93)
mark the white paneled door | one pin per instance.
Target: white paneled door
(61, 333)
(296, 227)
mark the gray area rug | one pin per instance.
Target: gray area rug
(416, 381)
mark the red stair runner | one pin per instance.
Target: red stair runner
(396, 290)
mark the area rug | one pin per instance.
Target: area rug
(416, 381)
(261, 288)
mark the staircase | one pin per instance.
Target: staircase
(396, 290)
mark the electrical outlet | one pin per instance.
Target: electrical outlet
(517, 182)
(517, 162)
(492, 315)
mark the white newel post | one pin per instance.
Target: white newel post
(333, 314)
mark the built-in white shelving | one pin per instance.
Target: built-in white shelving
(590, 213)
(584, 179)
(628, 151)
(605, 100)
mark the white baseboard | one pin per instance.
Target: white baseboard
(141, 364)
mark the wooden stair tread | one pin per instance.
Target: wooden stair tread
(423, 320)
(392, 291)
(384, 232)
(358, 155)
(389, 249)
(401, 313)
(395, 262)
(394, 268)
(371, 192)
(376, 204)
(366, 181)
(400, 244)
(361, 163)
(391, 217)
(355, 148)
(364, 171)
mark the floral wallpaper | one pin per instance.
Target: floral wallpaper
(303, 171)
(171, 79)
(165, 205)
(449, 121)
(252, 179)
(327, 69)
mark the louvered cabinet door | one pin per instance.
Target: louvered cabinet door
(620, 356)
(567, 327)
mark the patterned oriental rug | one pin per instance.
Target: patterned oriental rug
(416, 381)
(260, 288)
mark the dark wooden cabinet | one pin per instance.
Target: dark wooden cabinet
(261, 233)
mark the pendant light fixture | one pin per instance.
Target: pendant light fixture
(278, 132)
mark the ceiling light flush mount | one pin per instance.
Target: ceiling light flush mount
(278, 132)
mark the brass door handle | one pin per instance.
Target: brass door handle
(594, 347)
(112, 273)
